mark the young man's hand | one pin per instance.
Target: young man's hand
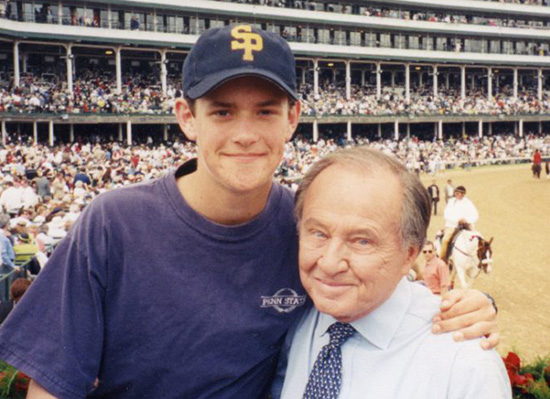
(469, 314)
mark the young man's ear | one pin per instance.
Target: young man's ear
(186, 118)
(294, 111)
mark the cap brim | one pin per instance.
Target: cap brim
(215, 80)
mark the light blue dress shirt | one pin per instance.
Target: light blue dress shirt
(394, 355)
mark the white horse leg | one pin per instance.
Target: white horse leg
(460, 272)
(453, 272)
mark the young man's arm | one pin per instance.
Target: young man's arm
(469, 314)
(37, 392)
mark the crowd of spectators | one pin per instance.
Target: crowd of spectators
(364, 102)
(43, 190)
(419, 155)
(95, 92)
(37, 179)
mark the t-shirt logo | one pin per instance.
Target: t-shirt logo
(246, 40)
(284, 301)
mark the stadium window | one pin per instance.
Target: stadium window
(28, 12)
(103, 18)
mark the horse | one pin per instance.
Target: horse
(470, 254)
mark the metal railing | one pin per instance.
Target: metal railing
(7, 278)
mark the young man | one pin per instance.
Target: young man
(362, 219)
(185, 287)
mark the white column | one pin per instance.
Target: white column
(163, 70)
(129, 132)
(362, 78)
(59, 13)
(490, 130)
(348, 80)
(392, 79)
(463, 129)
(35, 131)
(71, 133)
(349, 136)
(408, 130)
(118, 70)
(165, 132)
(24, 59)
(515, 83)
(539, 80)
(378, 80)
(480, 128)
(4, 133)
(521, 128)
(396, 130)
(463, 82)
(51, 135)
(447, 74)
(316, 77)
(70, 57)
(16, 74)
(109, 16)
(379, 130)
(303, 75)
(315, 131)
(420, 79)
(436, 73)
(490, 83)
(440, 129)
(540, 127)
(120, 133)
(408, 83)
(436, 130)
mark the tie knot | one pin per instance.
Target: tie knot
(340, 332)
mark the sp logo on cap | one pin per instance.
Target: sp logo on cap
(245, 40)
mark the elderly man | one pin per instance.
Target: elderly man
(362, 221)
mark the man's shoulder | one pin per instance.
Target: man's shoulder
(131, 195)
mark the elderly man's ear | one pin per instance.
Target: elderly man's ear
(186, 118)
(412, 254)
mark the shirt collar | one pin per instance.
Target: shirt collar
(380, 326)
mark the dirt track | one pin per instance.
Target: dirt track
(515, 209)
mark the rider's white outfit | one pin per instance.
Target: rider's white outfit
(457, 209)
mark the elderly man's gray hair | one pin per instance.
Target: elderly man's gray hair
(415, 209)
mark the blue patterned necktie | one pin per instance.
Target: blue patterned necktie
(326, 377)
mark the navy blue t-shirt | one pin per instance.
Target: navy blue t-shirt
(158, 302)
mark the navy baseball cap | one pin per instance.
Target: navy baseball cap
(221, 54)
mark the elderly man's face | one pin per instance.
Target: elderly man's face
(351, 257)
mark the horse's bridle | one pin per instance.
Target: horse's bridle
(482, 262)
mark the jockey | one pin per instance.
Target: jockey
(459, 210)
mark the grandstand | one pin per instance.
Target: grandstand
(366, 69)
